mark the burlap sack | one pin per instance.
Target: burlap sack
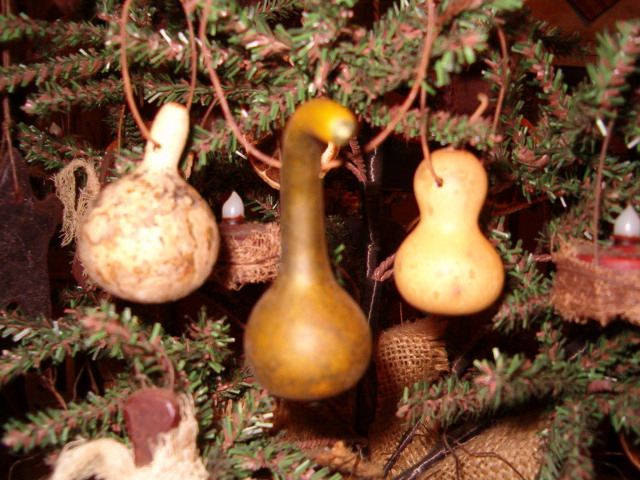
(405, 354)
(584, 290)
(508, 450)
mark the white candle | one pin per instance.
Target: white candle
(233, 208)
(627, 224)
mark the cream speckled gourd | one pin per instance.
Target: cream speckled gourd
(150, 237)
(445, 265)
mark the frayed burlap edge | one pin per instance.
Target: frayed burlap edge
(75, 208)
(251, 259)
(584, 290)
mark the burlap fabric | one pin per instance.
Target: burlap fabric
(509, 450)
(249, 253)
(584, 290)
(317, 424)
(405, 354)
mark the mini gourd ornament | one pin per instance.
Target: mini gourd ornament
(149, 237)
(445, 265)
(306, 338)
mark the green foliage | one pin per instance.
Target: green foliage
(542, 149)
(584, 381)
(82, 65)
(52, 152)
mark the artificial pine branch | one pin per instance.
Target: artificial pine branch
(50, 151)
(282, 52)
(21, 27)
(59, 69)
(528, 292)
(37, 341)
(14, 28)
(277, 9)
(572, 434)
(617, 60)
(93, 418)
(57, 98)
(101, 333)
(625, 401)
(580, 380)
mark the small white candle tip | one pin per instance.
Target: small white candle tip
(233, 207)
(628, 223)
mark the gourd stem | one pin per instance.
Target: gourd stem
(171, 128)
(304, 246)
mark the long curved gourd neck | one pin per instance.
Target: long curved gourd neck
(304, 246)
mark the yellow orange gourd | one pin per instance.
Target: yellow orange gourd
(306, 338)
(149, 237)
(445, 265)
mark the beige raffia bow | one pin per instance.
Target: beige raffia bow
(75, 208)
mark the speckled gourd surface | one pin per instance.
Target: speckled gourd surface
(150, 237)
(446, 265)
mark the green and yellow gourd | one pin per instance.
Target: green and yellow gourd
(445, 265)
(306, 338)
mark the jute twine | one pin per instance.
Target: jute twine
(75, 202)
(249, 253)
(584, 290)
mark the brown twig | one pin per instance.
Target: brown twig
(421, 72)
(350, 280)
(120, 122)
(491, 455)
(598, 195)
(6, 122)
(447, 446)
(424, 144)
(207, 113)
(194, 53)
(504, 209)
(484, 103)
(6, 125)
(126, 77)
(48, 381)
(437, 454)
(226, 111)
(503, 84)
(356, 172)
(406, 439)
